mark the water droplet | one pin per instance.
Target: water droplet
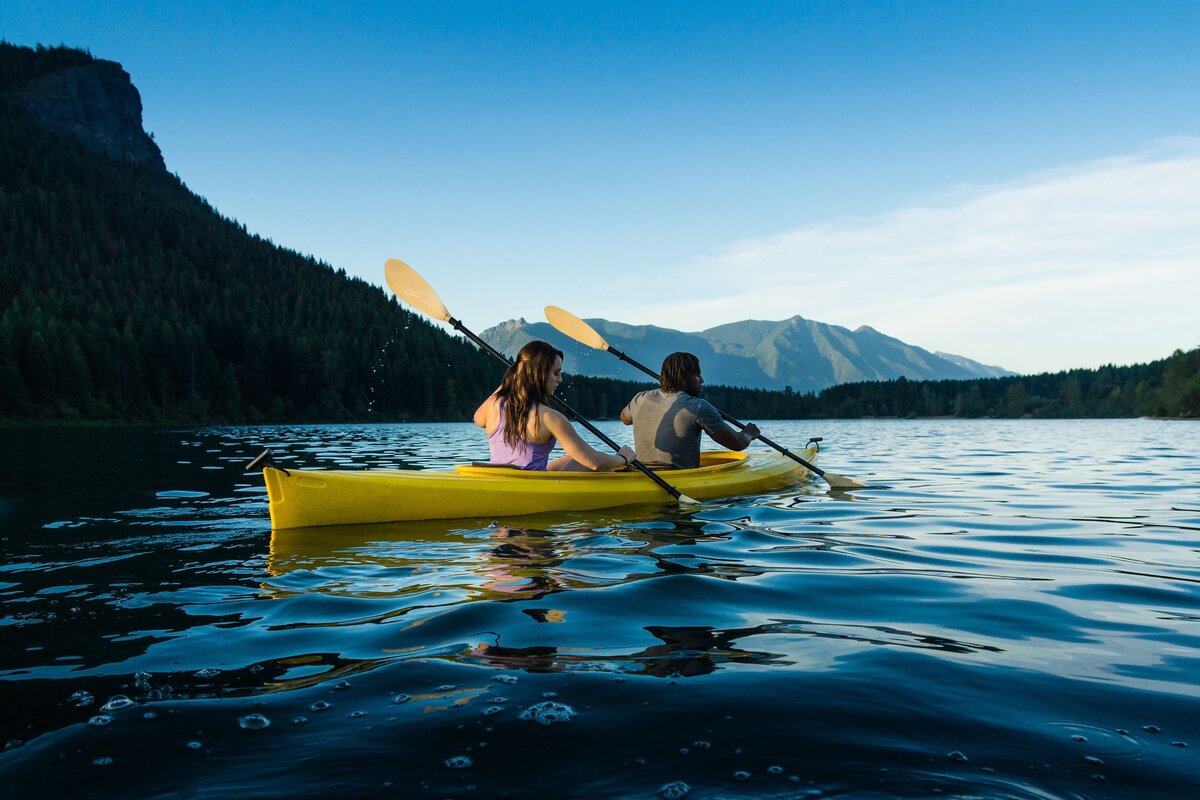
(675, 790)
(509, 679)
(116, 703)
(400, 698)
(548, 713)
(741, 775)
(100, 719)
(458, 762)
(957, 756)
(80, 699)
(253, 722)
(320, 705)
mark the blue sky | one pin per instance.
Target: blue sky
(1014, 182)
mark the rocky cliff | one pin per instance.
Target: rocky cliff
(95, 103)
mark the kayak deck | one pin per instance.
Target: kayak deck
(311, 498)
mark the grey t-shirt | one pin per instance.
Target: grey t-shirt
(667, 425)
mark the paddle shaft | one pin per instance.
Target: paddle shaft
(724, 416)
(570, 412)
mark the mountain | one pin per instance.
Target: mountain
(797, 353)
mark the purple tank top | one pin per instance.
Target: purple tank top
(526, 455)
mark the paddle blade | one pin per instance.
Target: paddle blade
(573, 326)
(413, 289)
(684, 500)
(842, 482)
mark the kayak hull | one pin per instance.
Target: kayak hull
(312, 498)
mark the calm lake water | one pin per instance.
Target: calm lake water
(1012, 610)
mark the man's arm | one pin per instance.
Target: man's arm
(725, 435)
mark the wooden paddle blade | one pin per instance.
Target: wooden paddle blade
(414, 290)
(842, 482)
(573, 326)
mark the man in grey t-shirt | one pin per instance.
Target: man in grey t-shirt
(667, 421)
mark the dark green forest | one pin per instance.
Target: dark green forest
(124, 297)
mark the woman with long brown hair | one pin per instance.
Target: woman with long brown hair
(522, 428)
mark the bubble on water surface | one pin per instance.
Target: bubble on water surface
(342, 685)
(1094, 760)
(207, 672)
(1151, 729)
(956, 755)
(320, 705)
(116, 703)
(509, 679)
(356, 714)
(195, 745)
(400, 698)
(149, 715)
(299, 720)
(548, 713)
(496, 699)
(700, 744)
(490, 710)
(80, 699)
(675, 790)
(253, 722)
(775, 770)
(445, 687)
(100, 719)
(548, 695)
(458, 762)
(741, 775)
(102, 761)
(1078, 738)
(1179, 744)
(141, 680)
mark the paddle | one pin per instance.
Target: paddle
(580, 331)
(416, 291)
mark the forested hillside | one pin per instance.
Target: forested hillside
(123, 296)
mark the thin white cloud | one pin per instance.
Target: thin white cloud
(1077, 267)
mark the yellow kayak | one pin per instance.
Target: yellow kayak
(302, 499)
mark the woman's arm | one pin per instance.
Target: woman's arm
(577, 448)
(481, 414)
